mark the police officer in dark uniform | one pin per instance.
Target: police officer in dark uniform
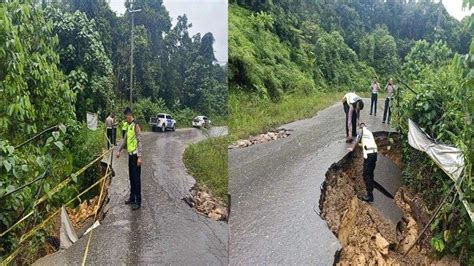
(133, 142)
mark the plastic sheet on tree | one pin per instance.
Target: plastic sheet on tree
(450, 159)
(92, 121)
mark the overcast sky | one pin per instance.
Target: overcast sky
(454, 8)
(205, 15)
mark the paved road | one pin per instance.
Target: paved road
(165, 230)
(275, 189)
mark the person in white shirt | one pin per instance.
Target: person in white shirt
(390, 88)
(374, 88)
(109, 124)
(352, 104)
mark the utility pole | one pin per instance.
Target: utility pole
(131, 50)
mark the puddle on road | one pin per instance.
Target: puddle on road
(368, 235)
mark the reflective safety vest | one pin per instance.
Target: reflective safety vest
(368, 142)
(124, 125)
(132, 141)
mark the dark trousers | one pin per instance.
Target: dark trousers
(135, 183)
(368, 172)
(373, 103)
(387, 111)
(114, 136)
(354, 120)
(110, 133)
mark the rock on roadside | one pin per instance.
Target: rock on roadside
(262, 138)
(205, 203)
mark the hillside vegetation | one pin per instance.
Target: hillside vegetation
(285, 52)
(60, 59)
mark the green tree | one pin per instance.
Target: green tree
(206, 49)
(379, 50)
(34, 91)
(443, 107)
(147, 71)
(338, 63)
(424, 55)
(84, 61)
(99, 11)
(180, 50)
(34, 94)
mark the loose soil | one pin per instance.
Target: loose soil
(366, 236)
(81, 216)
(262, 138)
(206, 204)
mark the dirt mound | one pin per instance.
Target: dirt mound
(205, 203)
(262, 138)
(366, 236)
(390, 146)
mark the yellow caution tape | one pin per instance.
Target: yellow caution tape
(86, 251)
(43, 224)
(53, 191)
(16, 224)
(10, 257)
(49, 194)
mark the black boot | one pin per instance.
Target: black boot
(129, 201)
(368, 198)
(135, 206)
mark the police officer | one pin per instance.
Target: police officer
(369, 151)
(352, 104)
(134, 148)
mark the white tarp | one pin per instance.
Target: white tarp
(450, 159)
(92, 121)
(67, 234)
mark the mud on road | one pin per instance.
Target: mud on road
(366, 235)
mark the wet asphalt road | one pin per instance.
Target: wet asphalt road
(275, 189)
(165, 230)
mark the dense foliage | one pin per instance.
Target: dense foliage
(424, 55)
(261, 62)
(35, 94)
(443, 106)
(34, 91)
(277, 47)
(335, 44)
(62, 58)
(84, 61)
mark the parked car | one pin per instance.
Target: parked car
(201, 121)
(162, 122)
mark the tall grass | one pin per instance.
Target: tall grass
(250, 114)
(207, 162)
